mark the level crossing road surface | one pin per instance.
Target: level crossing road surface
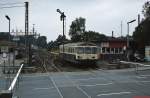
(89, 84)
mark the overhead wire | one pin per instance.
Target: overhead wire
(10, 7)
(16, 3)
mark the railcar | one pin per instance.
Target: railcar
(79, 53)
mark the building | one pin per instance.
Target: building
(5, 44)
(147, 53)
(112, 48)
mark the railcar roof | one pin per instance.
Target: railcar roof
(80, 44)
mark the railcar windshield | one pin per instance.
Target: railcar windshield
(80, 50)
(88, 50)
(94, 50)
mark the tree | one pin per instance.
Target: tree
(61, 39)
(55, 44)
(146, 9)
(142, 34)
(42, 41)
(77, 28)
(4, 36)
(93, 36)
(50, 45)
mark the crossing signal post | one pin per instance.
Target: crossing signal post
(62, 18)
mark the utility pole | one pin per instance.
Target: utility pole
(27, 41)
(8, 18)
(139, 20)
(33, 30)
(121, 28)
(128, 38)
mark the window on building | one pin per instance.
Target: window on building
(108, 50)
(116, 50)
(120, 50)
(112, 50)
(103, 50)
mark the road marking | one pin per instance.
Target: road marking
(109, 94)
(36, 75)
(98, 84)
(141, 77)
(43, 88)
(89, 79)
(145, 75)
(144, 81)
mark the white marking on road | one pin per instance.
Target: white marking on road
(35, 76)
(43, 88)
(144, 81)
(51, 78)
(141, 77)
(119, 93)
(89, 79)
(98, 84)
(86, 79)
(145, 75)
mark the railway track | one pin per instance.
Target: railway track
(54, 64)
(48, 61)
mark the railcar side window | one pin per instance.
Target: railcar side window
(87, 50)
(80, 50)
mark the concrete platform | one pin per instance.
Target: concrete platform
(90, 84)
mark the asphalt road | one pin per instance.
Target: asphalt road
(90, 84)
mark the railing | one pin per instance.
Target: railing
(15, 79)
(9, 93)
(135, 64)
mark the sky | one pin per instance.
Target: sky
(103, 16)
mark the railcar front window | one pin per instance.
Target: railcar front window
(94, 50)
(80, 50)
(87, 50)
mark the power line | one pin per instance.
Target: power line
(10, 7)
(16, 3)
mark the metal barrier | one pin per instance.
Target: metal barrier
(8, 93)
(15, 79)
(135, 64)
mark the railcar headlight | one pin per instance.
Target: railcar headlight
(79, 57)
(93, 57)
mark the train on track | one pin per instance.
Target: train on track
(79, 53)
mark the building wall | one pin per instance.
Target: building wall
(113, 50)
(147, 53)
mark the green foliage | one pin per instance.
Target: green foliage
(93, 36)
(142, 33)
(60, 38)
(77, 32)
(55, 44)
(42, 42)
(77, 28)
(4, 36)
(146, 9)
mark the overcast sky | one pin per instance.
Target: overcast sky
(101, 15)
